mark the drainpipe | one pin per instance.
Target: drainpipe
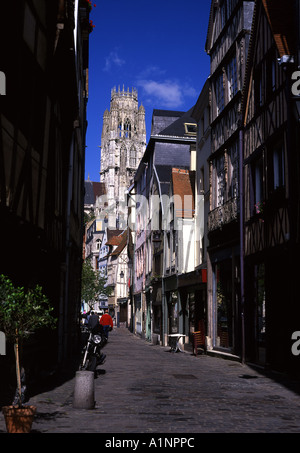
(241, 195)
(163, 294)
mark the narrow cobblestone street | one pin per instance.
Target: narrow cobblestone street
(145, 389)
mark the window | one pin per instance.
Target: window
(127, 129)
(168, 251)
(258, 181)
(258, 89)
(270, 73)
(273, 75)
(232, 78)
(201, 182)
(219, 179)
(223, 14)
(278, 168)
(190, 129)
(132, 158)
(230, 6)
(233, 171)
(257, 184)
(174, 249)
(219, 90)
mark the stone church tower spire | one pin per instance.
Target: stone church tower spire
(123, 143)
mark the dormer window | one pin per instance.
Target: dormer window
(190, 128)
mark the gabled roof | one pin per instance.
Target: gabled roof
(281, 17)
(213, 5)
(114, 237)
(122, 243)
(184, 201)
(161, 119)
(177, 128)
(93, 190)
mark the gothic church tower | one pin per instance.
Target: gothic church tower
(123, 143)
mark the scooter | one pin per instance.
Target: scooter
(92, 355)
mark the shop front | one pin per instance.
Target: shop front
(193, 296)
(122, 314)
(224, 307)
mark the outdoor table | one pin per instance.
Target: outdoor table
(175, 337)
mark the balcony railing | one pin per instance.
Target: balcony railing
(223, 215)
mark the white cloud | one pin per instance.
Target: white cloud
(167, 93)
(113, 59)
(151, 71)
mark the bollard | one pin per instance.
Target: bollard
(155, 338)
(84, 390)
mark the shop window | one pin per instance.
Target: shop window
(224, 305)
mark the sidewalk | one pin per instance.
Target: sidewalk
(143, 388)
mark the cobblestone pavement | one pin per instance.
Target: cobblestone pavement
(143, 388)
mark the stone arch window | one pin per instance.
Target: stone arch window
(127, 128)
(120, 129)
(132, 157)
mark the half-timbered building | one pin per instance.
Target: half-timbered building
(42, 151)
(227, 45)
(271, 187)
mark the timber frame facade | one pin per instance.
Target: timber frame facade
(42, 152)
(271, 187)
(227, 45)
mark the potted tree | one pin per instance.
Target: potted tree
(22, 312)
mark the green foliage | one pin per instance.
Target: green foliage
(92, 284)
(23, 311)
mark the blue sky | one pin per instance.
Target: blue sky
(154, 46)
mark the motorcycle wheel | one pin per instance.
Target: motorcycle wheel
(92, 364)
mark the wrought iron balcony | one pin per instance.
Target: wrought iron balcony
(223, 215)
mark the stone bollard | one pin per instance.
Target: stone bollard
(155, 338)
(84, 390)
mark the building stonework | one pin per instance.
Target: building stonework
(123, 142)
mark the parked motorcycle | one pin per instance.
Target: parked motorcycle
(91, 354)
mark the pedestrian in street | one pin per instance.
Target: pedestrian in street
(93, 322)
(107, 323)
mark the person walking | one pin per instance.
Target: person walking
(93, 322)
(107, 323)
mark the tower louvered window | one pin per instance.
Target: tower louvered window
(132, 159)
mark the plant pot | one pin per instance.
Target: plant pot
(18, 419)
